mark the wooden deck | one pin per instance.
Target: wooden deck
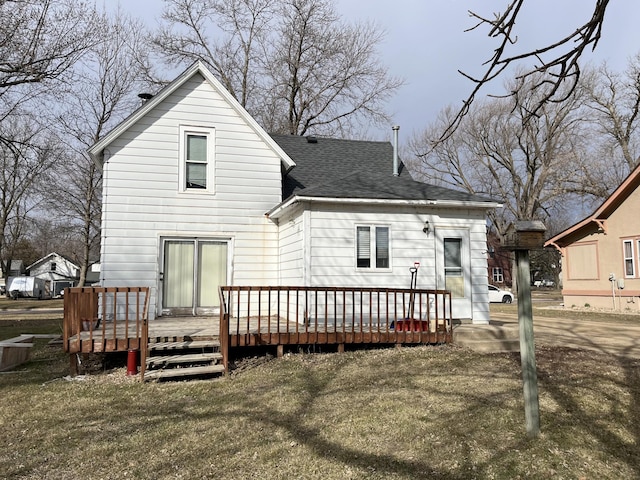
(115, 319)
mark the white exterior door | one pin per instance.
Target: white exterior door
(191, 272)
(453, 271)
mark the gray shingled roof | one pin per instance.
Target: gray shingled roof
(333, 168)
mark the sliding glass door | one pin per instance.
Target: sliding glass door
(192, 271)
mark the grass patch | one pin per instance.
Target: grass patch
(423, 412)
(12, 325)
(29, 303)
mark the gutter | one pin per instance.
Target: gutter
(278, 210)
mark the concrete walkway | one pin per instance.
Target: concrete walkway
(617, 338)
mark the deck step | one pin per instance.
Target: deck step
(160, 360)
(183, 359)
(183, 372)
(184, 345)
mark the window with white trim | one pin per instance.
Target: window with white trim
(196, 159)
(497, 275)
(372, 247)
(629, 263)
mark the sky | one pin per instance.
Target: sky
(426, 44)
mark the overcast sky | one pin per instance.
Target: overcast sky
(426, 43)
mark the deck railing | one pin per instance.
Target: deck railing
(103, 319)
(332, 315)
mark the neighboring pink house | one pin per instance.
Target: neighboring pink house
(601, 254)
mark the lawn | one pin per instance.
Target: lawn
(423, 412)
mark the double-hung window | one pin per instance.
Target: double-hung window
(629, 264)
(196, 159)
(372, 247)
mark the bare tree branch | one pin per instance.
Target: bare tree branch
(293, 64)
(561, 69)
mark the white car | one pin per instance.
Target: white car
(499, 296)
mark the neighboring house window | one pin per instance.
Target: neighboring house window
(629, 264)
(372, 249)
(196, 159)
(53, 266)
(498, 276)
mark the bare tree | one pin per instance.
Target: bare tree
(40, 40)
(557, 64)
(614, 105)
(104, 90)
(26, 156)
(324, 73)
(530, 165)
(293, 64)
(228, 36)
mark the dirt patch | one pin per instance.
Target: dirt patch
(240, 365)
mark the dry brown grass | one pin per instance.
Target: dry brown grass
(29, 303)
(425, 412)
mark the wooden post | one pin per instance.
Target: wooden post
(527, 346)
(73, 364)
(224, 340)
(520, 237)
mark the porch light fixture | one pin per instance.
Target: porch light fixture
(427, 228)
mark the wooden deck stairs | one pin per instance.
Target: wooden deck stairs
(183, 359)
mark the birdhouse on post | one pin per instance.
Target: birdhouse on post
(525, 235)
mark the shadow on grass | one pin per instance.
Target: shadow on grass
(592, 401)
(422, 413)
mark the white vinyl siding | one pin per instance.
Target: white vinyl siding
(332, 248)
(291, 250)
(142, 202)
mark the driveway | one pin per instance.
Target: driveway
(617, 338)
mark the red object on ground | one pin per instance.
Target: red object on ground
(409, 325)
(132, 362)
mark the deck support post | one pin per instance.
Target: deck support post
(73, 364)
(280, 350)
(224, 341)
(341, 348)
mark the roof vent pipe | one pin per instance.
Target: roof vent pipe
(145, 97)
(395, 129)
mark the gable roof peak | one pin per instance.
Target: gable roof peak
(96, 151)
